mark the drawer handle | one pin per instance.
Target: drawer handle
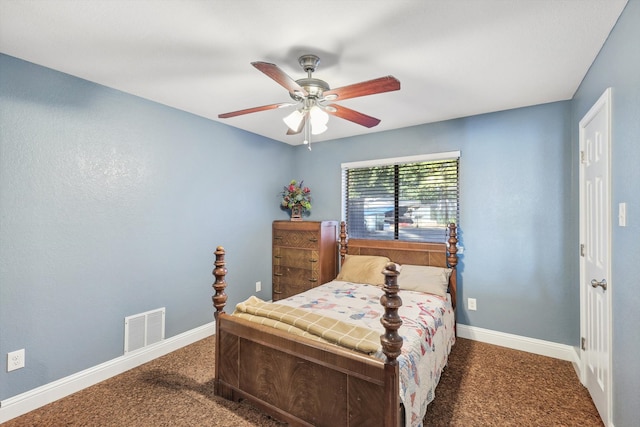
(313, 239)
(277, 238)
(277, 274)
(277, 256)
(313, 260)
(277, 292)
(313, 280)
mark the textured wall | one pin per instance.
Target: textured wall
(111, 205)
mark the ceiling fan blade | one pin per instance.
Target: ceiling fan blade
(254, 110)
(352, 115)
(370, 87)
(280, 77)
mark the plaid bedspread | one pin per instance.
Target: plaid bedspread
(298, 321)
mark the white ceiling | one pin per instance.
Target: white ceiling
(454, 58)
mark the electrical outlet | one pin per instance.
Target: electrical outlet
(258, 286)
(15, 360)
(471, 303)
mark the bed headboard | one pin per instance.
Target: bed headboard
(404, 252)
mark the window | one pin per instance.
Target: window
(409, 198)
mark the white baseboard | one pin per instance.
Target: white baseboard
(516, 342)
(28, 401)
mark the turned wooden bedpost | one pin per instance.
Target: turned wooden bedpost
(391, 344)
(220, 298)
(391, 341)
(452, 261)
(219, 301)
(343, 241)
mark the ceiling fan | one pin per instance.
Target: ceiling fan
(314, 98)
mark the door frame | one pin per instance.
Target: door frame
(603, 103)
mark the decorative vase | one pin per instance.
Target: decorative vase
(296, 213)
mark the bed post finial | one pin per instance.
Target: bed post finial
(343, 241)
(220, 298)
(452, 258)
(391, 341)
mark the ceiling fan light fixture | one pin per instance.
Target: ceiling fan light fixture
(318, 115)
(319, 119)
(294, 120)
(318, 129)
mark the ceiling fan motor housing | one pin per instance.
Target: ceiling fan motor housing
(314, 87)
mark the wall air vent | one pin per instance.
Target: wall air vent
(141, 330)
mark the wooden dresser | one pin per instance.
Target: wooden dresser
(305, 255)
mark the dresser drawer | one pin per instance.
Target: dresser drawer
(289, 281)
(292, 275)
(293, 257)
(296, 239)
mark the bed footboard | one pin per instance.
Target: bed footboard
(299, 381)
(306, 382)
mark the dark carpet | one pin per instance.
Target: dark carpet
(483, 385)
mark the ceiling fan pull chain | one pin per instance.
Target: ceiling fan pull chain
(307, 131)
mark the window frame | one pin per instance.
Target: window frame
(395, 161)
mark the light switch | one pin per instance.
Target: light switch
(622, 214)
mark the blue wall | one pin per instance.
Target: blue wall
(111, 205)
(618, 67)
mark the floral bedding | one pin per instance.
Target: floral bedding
(427, 331)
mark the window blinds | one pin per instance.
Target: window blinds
(401, 200)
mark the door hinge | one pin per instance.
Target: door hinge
(582, 158)
(582, 249)
(583, 343)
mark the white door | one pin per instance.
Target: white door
(595, 238)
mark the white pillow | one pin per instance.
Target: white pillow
(422, 278)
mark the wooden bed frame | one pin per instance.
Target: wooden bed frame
(310, 383)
